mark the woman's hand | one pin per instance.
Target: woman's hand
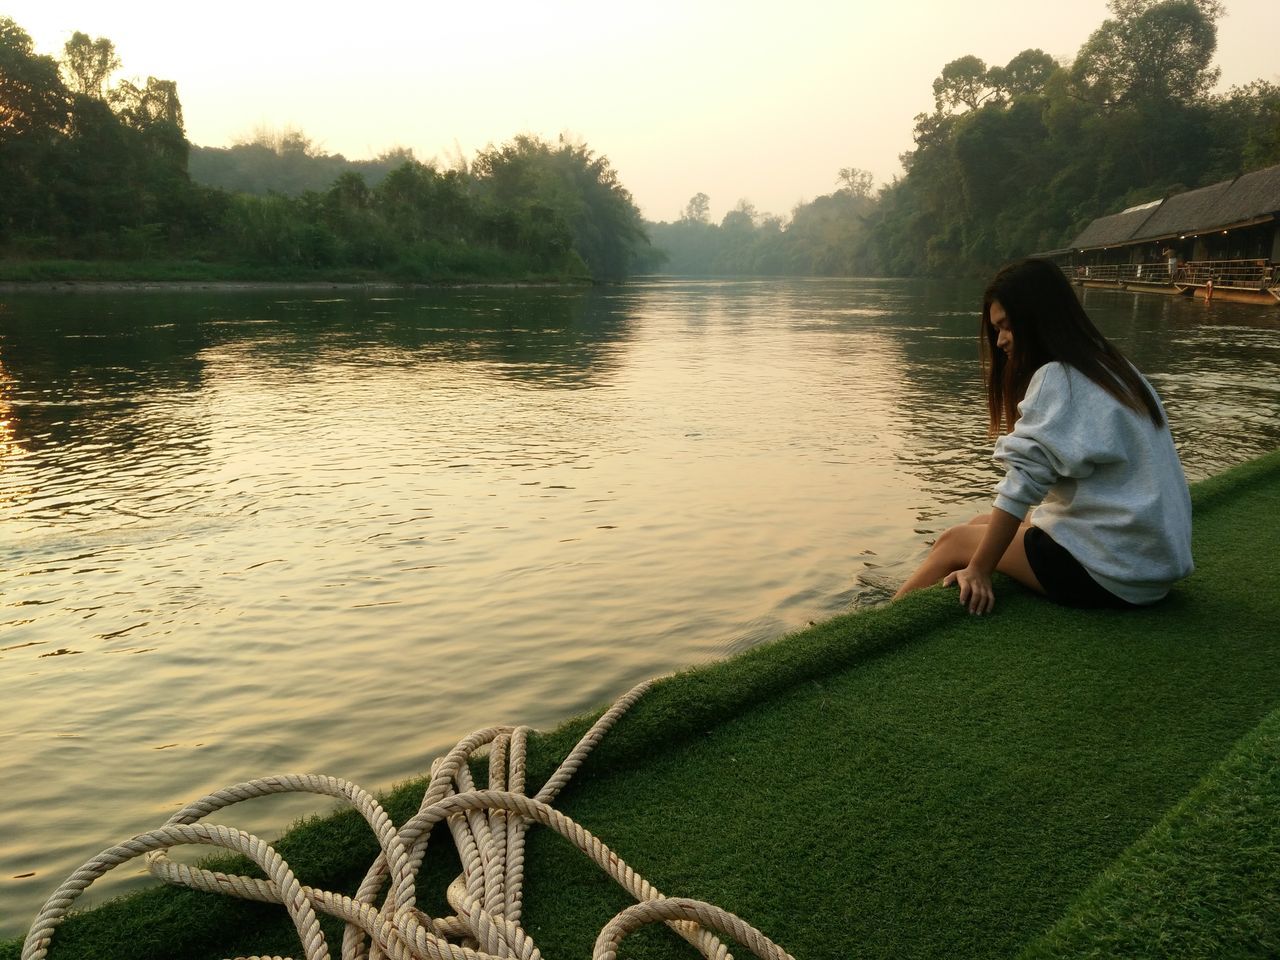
(976, 591)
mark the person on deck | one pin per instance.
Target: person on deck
(1085, 443)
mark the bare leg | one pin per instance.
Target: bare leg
(956, 547)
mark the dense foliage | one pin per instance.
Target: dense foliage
(1013, 159)
(1003, 169)
(1019, 158)
(90, 170)
(284, 162)
(828, 237)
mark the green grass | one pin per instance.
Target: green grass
(1205, 882)
(908, 781)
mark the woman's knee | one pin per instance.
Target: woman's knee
(957, 544)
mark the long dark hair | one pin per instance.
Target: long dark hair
(1048, 323)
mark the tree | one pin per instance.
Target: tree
(741, 218)
(143, 107)
(396, 157)
(969, 83)
(1262, 137)
(697, 210)
(88, 64)
(829, 235)
(101, 163)
(33, 97)
(534, 189)
(607, 229)
(1150, 53)
(962, 83)
(349, 193)
(855, 181)
(155, 113)
(349, 214)
(1130, 9)
(285, 141)
(34, 112)
(420, 203)
(1027, 73)
(1246, 129)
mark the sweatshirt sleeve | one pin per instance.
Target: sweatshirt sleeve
(1063, 431)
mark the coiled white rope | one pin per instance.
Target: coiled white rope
(488, 828)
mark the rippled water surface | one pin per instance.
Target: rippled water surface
(252, 533)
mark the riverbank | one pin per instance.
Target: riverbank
(183, 276)
(247, 286)
(906, 781)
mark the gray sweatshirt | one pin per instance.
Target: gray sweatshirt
(1109, 483)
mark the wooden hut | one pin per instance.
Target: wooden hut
(1222, 240)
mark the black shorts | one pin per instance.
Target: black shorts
(1062, 577)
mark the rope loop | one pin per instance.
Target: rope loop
(488, 827)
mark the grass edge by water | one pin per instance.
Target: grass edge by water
(329, 852)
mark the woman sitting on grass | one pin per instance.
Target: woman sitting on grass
(1086, 439)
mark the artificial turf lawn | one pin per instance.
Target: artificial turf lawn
(908, 781)
(1215, 855)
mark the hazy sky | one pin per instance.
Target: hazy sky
(735, 99)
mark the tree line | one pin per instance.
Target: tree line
(827, 237)
(1018, 158)
(91, 170)
(1013, 159)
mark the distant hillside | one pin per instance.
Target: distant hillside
(291, 170)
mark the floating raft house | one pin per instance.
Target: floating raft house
(1222, 241)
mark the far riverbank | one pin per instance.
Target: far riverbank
(245, 286)
(122, 276)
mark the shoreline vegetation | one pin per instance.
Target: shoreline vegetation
(236, 286)
(61, 276)
(96, 178)
(904, 780)
(1013, 159)
(39, 274)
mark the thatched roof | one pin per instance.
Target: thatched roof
(1251, 196)
(1248, 198)
(1114, 230)
(1190, 212)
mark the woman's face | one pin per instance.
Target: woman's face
(1000, 323)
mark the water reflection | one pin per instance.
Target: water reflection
(9, 445)
(946, 447)
(538, 337)
(1216, 365)
(245, 533)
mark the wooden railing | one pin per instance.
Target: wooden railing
(1103, 272)
(1240, 274)
(1125, 272)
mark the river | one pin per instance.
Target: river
(246, 533)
